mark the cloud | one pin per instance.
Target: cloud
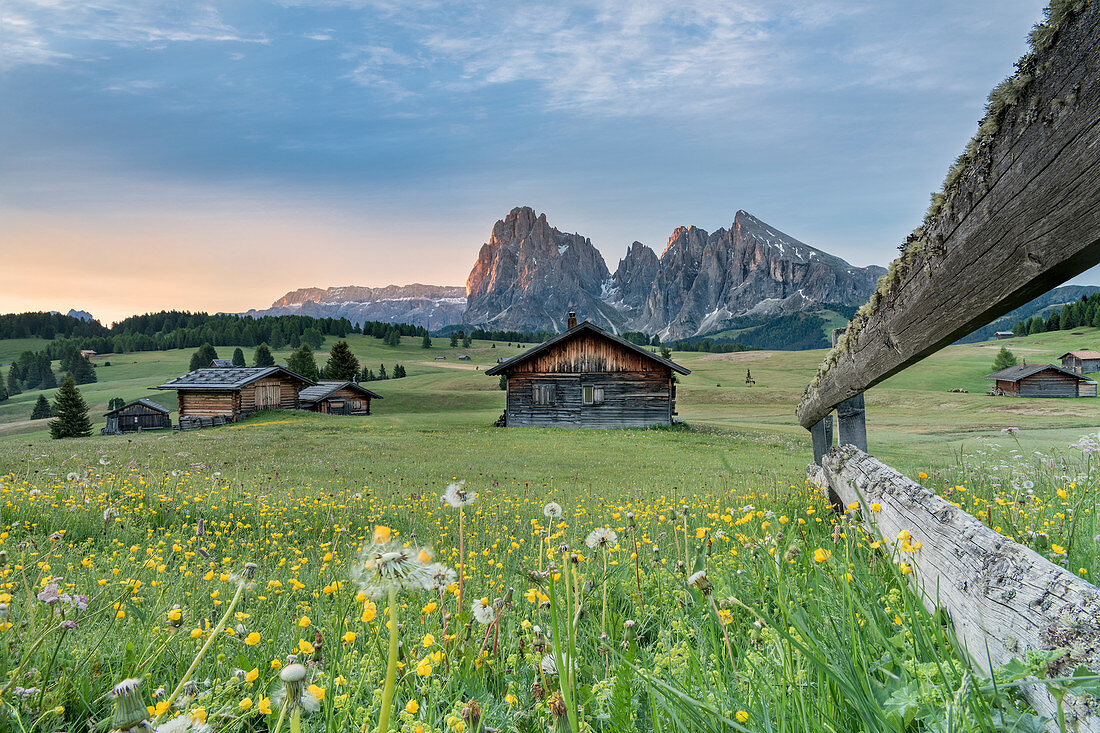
(48, 31)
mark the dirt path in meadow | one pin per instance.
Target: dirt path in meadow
(739, 356)
(449, 365)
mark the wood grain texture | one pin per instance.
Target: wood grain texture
(631, 399)
(1025, 218)
(1002, 598)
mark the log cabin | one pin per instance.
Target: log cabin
(588, 378)
(337, 398)
(142, 414)
(1041, 380)
(1084, 361)
(230, 394)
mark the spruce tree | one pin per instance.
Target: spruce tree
(115, 403)
(263, 357)
(13, 382)
(341, 364)
(203, 356)
(426, 342)
(238, 357)
(70, 413)
(45, 372)
(1004, 360)
(454, 340)
(382, 372)
(466, 341)
(503, 383)
(41, 409)
(83, 372)
(398, 372)
(3, 391)
(302, 362)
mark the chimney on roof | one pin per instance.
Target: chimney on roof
(572, 322)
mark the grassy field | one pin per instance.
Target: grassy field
(126, 557)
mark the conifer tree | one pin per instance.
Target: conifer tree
(203, 356)
(426, 342)
(263, 357)
(382, 372)
(398, 371)
(45, 372)
(83, 372)
(13, 382)
(70, 413)
(454, 340)
(341, 364)
(503, 383)
(466, 342)
(238, 357)
(3, 391)
(115, 403)
(1004, 360)
(41, 409)
(302, 362)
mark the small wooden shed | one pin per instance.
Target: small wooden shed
(1084, 361)
(226, 395)
(1041, 380)
(221, 364)
(136, 416)
(588, 378)
(337, 398)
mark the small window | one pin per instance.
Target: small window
(543, 394)
(592, 395)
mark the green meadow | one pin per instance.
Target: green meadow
(127, 557)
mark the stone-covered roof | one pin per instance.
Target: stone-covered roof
(504, 366)
(1082, 354)
(1022, 371)
(144, 402)
(321, 390)
(218, 379)
(221, 364)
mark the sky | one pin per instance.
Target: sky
(215, 156)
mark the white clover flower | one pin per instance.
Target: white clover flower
(601, 538)
(483, 611)
(552, 510)
(457, 497)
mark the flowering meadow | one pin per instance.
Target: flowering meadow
(293, 573)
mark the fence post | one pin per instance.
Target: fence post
(852, 422)
(822, 436)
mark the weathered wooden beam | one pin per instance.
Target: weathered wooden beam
(1024, 218)
(1003, 599)
(852, 423)
(821, 433)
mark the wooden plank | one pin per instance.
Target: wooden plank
(1001, 597)
(1025, 218)
(851, 422)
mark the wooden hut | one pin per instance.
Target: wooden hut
(221, 364)
(136, 416)
(1085, 361)
(1041, 380)
(588, 378)
(337, 398)
(217, 396)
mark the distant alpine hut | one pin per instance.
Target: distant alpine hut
(1085, 361)
(1041, 380)
(588, 378)
(88, 353)
(1002, 335)
(221, 364)
(337, 398)
(137, 416)
(209, 397)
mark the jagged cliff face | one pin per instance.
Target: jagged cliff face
(529, 275)
(431, 306)
(707, 280)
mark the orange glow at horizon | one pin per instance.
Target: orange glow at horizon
(127, 264)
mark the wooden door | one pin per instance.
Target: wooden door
(267, 396)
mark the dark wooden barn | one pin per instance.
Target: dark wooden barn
(136, 416)
(337, 398)
(216, 396)
(1085, 361)
(588, 378)
(1041, 380)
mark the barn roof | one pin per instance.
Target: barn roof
(208, 379)
(1082, 354)
(321, 390)
(143, 401)
(221, 364)
(1022, 371)
(576, 330)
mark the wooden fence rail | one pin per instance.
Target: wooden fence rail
(1022, 217)
(1002, 598)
